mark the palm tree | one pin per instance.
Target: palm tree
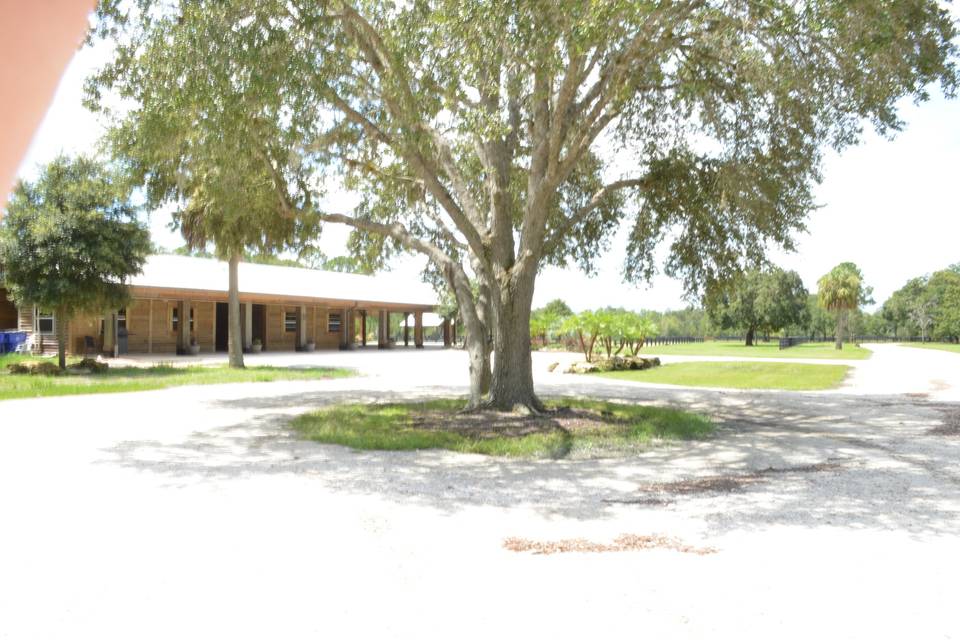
(841, 291)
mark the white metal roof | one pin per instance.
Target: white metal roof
(204, 274)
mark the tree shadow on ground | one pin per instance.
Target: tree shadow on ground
(815, 459)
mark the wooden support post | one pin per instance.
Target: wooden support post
(150, 328)
(247, 326)
(446, 333)
(406, 329)
(363, 328)
(418, 329)
(183, 338)
(109, 333)
(351, 325)
(302, 328)
(382, 330)
(346, 329)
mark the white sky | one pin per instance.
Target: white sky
(890, 206)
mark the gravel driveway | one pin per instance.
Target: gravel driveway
(192, 513)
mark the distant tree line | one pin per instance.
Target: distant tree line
(927, 307)
(766, 302)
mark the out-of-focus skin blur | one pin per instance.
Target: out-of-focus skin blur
(37, 40)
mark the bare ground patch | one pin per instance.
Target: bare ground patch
(951, 422)
(661, 493)
(624, 542)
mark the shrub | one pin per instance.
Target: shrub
(18, 369)
(90, 364)
(45, 369)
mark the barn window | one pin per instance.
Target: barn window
(290, 321)
(333, 323)
(44, 324)
(175, 319)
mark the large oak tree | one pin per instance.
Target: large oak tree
(766, 300)
(499, 137)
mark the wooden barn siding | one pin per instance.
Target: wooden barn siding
(146, 330)
(204, 316)
(278, 339)
(164, 337)
(80, 327)
(325, 339)
(312, 325)
(151, 332)
(26, 318)
(138, 326)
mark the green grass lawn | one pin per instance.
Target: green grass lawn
(820, 350)
(584, 428)
(144, 379)
(740, 375)
(940, 346)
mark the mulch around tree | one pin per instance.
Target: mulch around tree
(493, 424)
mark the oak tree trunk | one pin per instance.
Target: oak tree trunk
(475, 341)
(478, 355)
(234, 338)
(750, 333)
(61, 319)
(512, 383)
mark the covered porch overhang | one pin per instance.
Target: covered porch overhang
(355, 316)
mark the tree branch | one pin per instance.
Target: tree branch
(407, 113)
(578, 216)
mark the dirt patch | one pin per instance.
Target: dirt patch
(625, 542)
(731, 483)
(494, 424)
(950, 425)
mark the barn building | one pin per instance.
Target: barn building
(179, 304)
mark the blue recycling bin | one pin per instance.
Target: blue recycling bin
(4, 348)
(12, 340)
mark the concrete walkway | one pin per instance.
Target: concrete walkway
(193, 512)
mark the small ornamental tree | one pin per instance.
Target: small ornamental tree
(639, 327)
(613, 330)
(546, 321)
(587, 326)
(542, 325)
(70, 242)
(842, 291)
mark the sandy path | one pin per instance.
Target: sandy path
(191, 512)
